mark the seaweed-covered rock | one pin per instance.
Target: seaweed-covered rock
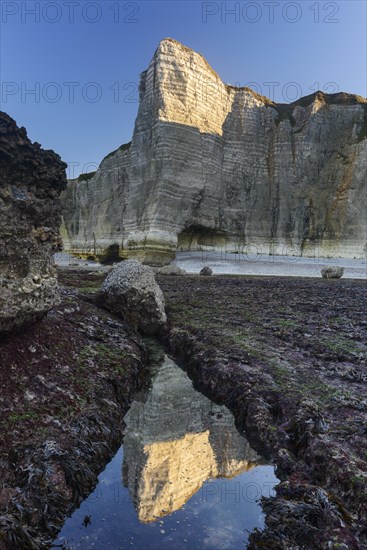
(332, 272)
(131, 291)
(31, 180)
(55, 441)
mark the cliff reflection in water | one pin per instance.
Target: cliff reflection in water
(175, 440)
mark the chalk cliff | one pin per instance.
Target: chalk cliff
(31, 180)
(214, 165)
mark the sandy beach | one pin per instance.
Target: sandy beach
(235, 264)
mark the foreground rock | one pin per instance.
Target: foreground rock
(30, 214)
(266, 177)
(332, 272)
(131, 291)
(66, 387)
(288, 357)
(172, 270)
(206, 271)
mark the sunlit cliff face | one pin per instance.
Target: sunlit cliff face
(175, 440)
(220, 166)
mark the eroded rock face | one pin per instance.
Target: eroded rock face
(31, 180)
(220, 166)
(131, 291)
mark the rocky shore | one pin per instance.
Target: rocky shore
(67, 382)
(68, 369)
(288, 358)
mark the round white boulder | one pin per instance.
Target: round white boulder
(131, 291)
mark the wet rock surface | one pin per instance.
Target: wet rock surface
(31, 180)
(131, 291)
(66, 382)
(288, 357)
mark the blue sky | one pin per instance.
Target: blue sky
(82, 59)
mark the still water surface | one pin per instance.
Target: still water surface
(185, 478)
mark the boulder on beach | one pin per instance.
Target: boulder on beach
(131, 291)
(332, 272)
(170, 270)
(206, 271)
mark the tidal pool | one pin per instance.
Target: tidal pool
(185, 478)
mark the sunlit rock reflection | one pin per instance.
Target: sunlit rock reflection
(175, 440)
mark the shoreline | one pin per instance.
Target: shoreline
(273, 266)
(238, 264)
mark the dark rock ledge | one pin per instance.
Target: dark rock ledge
(288, 358)
(66, 382)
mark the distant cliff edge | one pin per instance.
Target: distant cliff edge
(215, 166)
